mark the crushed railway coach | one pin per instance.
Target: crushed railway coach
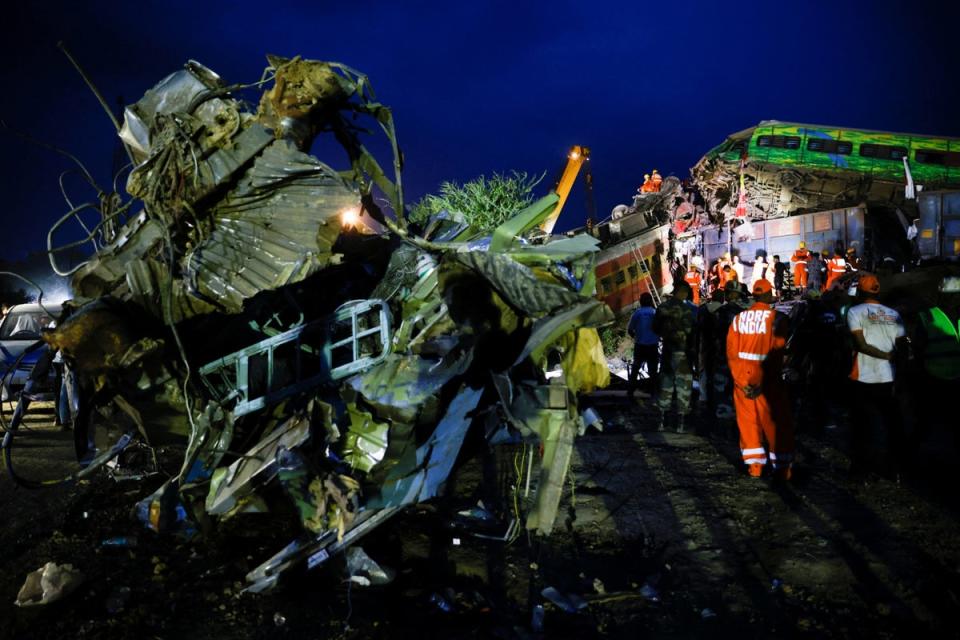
(228, 311)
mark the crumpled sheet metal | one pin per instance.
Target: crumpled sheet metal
(435, 458)
(476, 318)
(276, 227)
(517, 284)
(231, 485)
(172, 94)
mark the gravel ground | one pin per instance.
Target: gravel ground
(660, 533)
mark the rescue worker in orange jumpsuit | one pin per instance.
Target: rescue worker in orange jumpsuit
(836, 267)
(647, 186)
(799, 260)
(656, 180)
(756, 341)
(694, 279)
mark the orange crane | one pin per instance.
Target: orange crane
(576, 158)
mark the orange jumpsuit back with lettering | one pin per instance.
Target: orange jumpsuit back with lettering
(755, 344)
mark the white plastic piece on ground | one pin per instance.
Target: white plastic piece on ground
(48, 584)
(364, 571)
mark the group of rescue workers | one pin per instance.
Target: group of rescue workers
(651, 182)
(810, 272)
(840, 352)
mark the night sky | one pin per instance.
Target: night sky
(482, 87)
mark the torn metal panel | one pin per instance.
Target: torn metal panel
(548, 330)
(313, 552)
(557, 428)
(435, 458)
(517, 284)
(256, 468)
(277, 227)
(402, 383)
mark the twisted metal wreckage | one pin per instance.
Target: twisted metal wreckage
(235, 313)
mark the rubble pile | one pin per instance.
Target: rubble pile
(256, 307)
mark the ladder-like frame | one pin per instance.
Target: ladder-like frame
(646, 276)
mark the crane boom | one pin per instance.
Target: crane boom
(575, 159)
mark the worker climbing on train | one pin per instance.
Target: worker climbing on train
(693, 278)
(836, 267)
(647, 186)
(656, 180)
(756, 342)
(799, 260)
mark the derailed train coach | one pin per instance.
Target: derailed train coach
(257, 310)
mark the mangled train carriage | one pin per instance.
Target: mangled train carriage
(258, 309)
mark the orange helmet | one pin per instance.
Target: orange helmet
(868, 283)
(762, 286)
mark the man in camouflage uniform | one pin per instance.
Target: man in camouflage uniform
(674, 323)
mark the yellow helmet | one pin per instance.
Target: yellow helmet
(646, 175)
(803, 245)
(655, 171)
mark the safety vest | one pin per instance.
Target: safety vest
(942, 356)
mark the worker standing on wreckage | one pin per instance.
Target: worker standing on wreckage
(235, 303)
(756, 342)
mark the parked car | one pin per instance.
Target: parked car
(20, 332)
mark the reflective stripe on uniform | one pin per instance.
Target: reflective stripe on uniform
(753, 452)
(755, 461)
(759, 357)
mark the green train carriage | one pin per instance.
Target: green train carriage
(934, 160)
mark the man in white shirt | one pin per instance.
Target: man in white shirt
(876, 330)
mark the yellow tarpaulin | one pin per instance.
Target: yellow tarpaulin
(584, 365)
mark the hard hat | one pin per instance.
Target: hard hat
(868, 283)
(803, 245)
(646, 175)
(762, 286)
(655, 171)
(851, 250)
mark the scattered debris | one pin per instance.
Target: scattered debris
(120, 541)
(649, 592)
(117, 600)
(48, 584)
(364, 571)
(568, 602)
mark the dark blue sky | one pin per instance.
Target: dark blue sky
(481, 87)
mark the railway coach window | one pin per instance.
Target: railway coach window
(779, 142)
(620, 277)
(930, 156)
(882, 151)
(606, 284)
(823, 145)
(632, 271)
